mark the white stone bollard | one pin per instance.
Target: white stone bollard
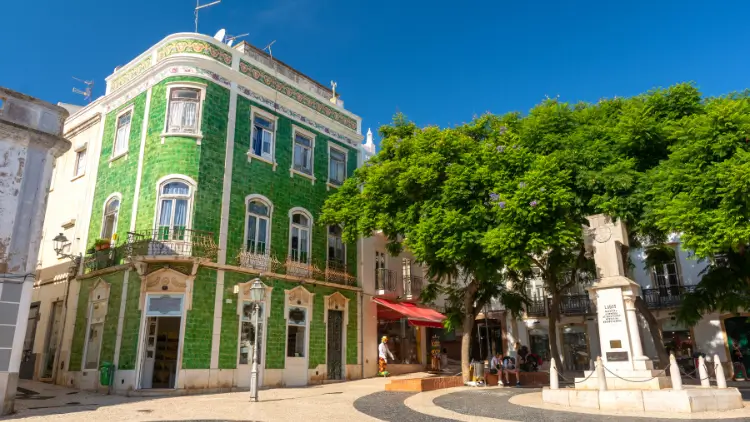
(600, 379)
(721, 379)
(702, 372)
(674, 373)
(554, 383)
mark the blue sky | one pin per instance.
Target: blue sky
(438, 62)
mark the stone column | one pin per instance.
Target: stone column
(30, 140)
(633, 329)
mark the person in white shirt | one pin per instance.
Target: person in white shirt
(383, 354)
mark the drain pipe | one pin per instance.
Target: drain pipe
(361, 309)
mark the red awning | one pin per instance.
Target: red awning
(417, 315)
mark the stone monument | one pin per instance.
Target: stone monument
(614, 295)
(625, 379)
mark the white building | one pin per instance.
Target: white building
(55, 292)
(30, 139)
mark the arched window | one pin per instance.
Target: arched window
(174, 206)
(257, 233)
(336, 249)
(109, 221)
(300, 237)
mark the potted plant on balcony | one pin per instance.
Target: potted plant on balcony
(102, 244)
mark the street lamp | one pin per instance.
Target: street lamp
(257, 294)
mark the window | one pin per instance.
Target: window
(184, 110)
(80, 164)
(174, 201)
(300, 238)
(247, 333)
(262, 137)
(303, 148)
(336, 251)
(667, 279)
(295, 336)
(123, 132)
(258, 223)
(406, 268)
(109, 223)
(336, 166)
(97, 313)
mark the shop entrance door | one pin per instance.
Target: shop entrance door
(28, 359)
(335, 345)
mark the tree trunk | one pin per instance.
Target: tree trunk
(655, 329)
(468, 325)
(554, 313)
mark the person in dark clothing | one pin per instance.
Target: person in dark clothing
(737, 361)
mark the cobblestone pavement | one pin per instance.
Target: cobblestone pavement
(495, 404)
(363, 400)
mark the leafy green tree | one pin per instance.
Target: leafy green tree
(701, 191)
(428, 190)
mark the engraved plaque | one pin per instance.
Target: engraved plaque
(615, 344)
(617, 356)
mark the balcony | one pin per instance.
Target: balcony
(665, 297)
(575, 305)
(331, 271)
(537, 307)
(412, 286)
(385, 282)
(173, 241)
(105, 258)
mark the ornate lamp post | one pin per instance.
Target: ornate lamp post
(257, 295)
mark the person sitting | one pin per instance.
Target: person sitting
(509, 365)
(737, 362)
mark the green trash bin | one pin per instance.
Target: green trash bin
(106, 373)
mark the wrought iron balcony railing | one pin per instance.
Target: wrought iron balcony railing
(385, 282)
(172, 241)
(665, 297)
(105, 258)
(537, 307)
(331, 271)
(575, 305)
(412, 286)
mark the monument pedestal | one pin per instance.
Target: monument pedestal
(634, 380)
(632, 384)
(689, 400)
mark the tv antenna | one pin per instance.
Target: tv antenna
(199, 6)
(231, 38)
(268, 48)
(87, 92)
(275, 73)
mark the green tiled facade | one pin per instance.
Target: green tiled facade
(202, 159)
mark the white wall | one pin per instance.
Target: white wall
(689, 266)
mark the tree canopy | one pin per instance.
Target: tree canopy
(504, 197)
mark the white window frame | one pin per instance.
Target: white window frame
(269, 204)
(192, 186)
(127, 110)
(663, 267)
(307, 134)
(309, 228)
(77, 159)
(330, 183)
(110, 198)
(328, 244)
(198, 135)
(255, 111)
